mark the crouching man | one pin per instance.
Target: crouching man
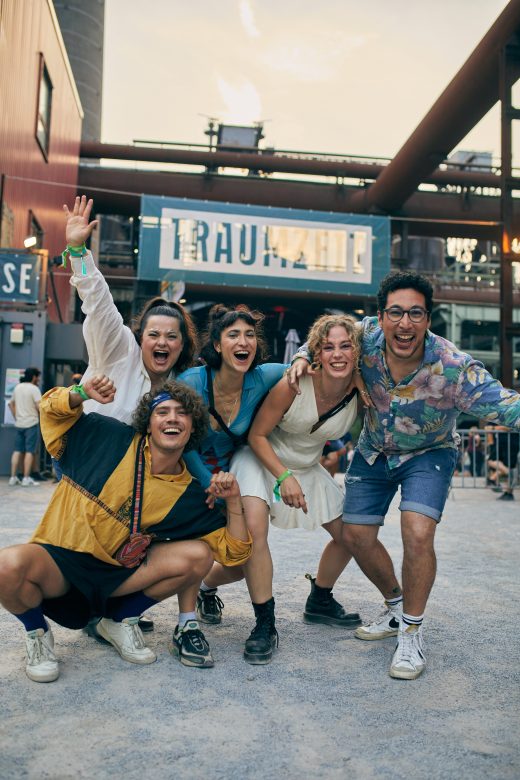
(127, 526)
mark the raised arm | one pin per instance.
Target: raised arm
(107, 338)
(269, 415)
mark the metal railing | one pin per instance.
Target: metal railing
(487, 458)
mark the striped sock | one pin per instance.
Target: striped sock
(395, 601)
(33, 619)
(411, 620)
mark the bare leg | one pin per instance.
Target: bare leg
(28, 464)
(15, 462)
(334, 557)
(372, 557)
(223, 575)
(28, 574)
(259, 568)
(419, 561)
(172, 567)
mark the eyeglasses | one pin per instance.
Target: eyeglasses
(415, 314)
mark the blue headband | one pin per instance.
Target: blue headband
(159, 399)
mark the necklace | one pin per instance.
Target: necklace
(327, 398)
(228, 407)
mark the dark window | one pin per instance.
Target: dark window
(35, 229)
(43, 119)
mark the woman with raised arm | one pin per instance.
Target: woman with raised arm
(162, 343)
(280, 476)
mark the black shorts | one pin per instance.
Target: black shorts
(91, 583)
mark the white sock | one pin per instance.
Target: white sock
(394, 602)
(411, 620)
(184, 617)
(204, 588)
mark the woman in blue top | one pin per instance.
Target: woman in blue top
(233, 386)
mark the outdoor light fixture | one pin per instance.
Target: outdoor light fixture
(30, 241)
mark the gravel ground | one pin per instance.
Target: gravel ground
(325, 708)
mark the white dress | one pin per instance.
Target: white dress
(299, 450)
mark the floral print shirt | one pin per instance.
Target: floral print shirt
(420, 412)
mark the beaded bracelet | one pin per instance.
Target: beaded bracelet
(280, 479)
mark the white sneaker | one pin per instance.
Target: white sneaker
(386, 624)
(28, 481)
(13, 481)
(127, 638)
(408, 661)
(42, 665)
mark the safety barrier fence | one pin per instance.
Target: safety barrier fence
(487, 458)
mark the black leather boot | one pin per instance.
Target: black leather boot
(264, 636)
(322, 607)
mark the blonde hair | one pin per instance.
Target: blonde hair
(321, 328)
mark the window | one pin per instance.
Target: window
(35, 229)
(43, 120)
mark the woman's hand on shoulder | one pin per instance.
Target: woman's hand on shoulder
(78, 228)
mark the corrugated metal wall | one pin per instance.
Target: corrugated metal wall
(28, 31)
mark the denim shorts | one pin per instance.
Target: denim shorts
(26, 439)
(424, 481)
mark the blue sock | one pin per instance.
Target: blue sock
(33, 619)
(134, 604)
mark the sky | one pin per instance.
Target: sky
(352, 77)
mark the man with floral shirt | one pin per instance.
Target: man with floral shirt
(419, 383)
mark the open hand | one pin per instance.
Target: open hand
(78, 227)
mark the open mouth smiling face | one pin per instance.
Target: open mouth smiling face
(161, 345)
(404, 339)
(238, 346)
(170, 425)
(337, 353)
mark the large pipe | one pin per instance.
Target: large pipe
(468, 97)
(271, 162)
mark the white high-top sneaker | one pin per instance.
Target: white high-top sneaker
(42, 665)
(386, 624)
(408, 661)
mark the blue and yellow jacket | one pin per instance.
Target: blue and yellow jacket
(90, 509)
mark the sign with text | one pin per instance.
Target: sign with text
(239, 245)
(19, 277)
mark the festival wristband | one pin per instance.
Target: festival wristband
(280, 479)
(74, 251)
(80, 391)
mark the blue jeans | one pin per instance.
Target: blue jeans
(424, 481)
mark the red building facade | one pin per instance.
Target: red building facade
(40, 133)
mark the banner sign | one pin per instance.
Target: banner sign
(19, 277)
(254, 246)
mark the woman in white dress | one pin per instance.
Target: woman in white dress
(281, 474)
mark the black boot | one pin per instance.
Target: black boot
(321, 607)
(263, 637)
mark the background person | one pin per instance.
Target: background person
(24, 406)
(71, 568)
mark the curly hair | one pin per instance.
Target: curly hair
(404, 280)
(162, 308)
(222, 317)
(190, 401)
(321, 328)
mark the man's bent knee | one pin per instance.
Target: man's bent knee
(359, 537)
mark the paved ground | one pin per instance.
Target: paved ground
(325, 708)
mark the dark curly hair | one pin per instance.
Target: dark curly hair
(222, 317)
(191, 402)
(404, 280)
(162, 308)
